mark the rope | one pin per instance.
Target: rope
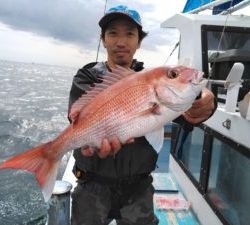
(221, 37)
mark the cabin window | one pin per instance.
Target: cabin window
(229, 182)
(221, 48)
(189, 151)
(218, 41)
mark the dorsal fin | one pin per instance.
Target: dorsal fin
(108, 79)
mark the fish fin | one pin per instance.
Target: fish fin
(36, 161)
(155, 109)
(108, 79)
(73, 115)
(156, 139)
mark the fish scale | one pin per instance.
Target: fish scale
(103, 123)
(115, 111)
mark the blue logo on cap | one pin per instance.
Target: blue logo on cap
(134, 15)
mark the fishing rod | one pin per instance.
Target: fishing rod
(172, 52)
(99, 43)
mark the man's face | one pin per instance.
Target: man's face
(121, 39)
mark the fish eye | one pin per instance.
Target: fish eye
(172, 74)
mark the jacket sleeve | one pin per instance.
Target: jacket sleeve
(82, 81)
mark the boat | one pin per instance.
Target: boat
(209, 164)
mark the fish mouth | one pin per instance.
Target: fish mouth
(198, 78)
(201, 82)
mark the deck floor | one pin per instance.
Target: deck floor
(178, 210)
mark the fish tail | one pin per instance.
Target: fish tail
(37, 161)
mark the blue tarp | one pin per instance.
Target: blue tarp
(194, 4)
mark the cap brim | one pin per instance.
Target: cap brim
(111, 16)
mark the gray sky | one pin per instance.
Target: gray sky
(66, 32)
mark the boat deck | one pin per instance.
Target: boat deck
(173, 208)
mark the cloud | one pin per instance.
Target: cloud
(72, 21)
(67, 20)
(160, 37)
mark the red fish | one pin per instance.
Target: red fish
(126, 104)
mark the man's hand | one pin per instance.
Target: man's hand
(201, 109)
(107, 148)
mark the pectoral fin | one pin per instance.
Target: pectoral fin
(154, 108)
(156, 139)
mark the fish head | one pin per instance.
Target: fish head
(178, 87)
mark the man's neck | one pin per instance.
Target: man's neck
(113, 65)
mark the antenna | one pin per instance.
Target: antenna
(99, 43)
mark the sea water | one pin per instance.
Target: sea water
(33, 110)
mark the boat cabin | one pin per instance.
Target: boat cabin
(211, 162)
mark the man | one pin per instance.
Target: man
(115, 181)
